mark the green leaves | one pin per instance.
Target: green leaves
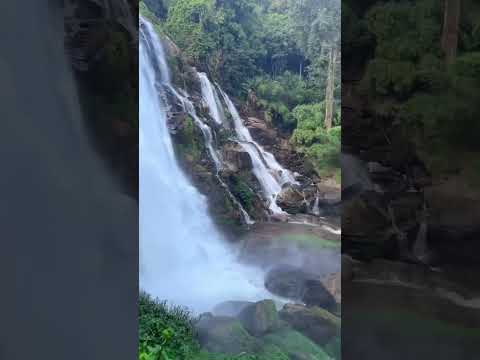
(165, 333)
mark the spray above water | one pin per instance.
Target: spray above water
(183, 258)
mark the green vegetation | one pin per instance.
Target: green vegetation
(164, 332)
(296, 345)
(310, 240)
(243, 193)
(412, 79)
(167, 333)
(283, 54)
(189, 145)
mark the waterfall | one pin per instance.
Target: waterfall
(420, 247)
(214, 154)
(211, 98)
(316, 205)
(355, 174)
(270, 174)
(183, 258)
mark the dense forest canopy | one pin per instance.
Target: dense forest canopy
(285, 52)
(430, 83)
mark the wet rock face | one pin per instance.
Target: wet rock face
(237, 157)
(316, 323)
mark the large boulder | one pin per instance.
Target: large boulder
(318, 324)
(316, 294)
(223, 334)
(292, 200)
(230, 308)
(287, 281)
(260, 318)
(297, 284)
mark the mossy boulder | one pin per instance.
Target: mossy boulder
(221, 334)
(260, 317)
(295, 345)
(318, 324)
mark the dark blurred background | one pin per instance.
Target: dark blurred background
(410, 178)
(68, 209)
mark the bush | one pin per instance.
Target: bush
(164, 332)
(243, 193)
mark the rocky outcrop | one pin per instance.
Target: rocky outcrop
(296, 332)
(225, 335)
(260, 318)
(236, 157)
(333, 283)
(262, 133)
(292, 200)
(316, 323)
(316, 294)
(296, 284)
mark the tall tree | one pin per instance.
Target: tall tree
(450, 29)
(330, 88)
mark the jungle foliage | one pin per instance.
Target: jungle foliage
(281, 50)
(409, 78)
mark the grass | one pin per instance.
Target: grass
(310, 240)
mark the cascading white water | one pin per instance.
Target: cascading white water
(211, 98)
(271, 175)
(182, 256)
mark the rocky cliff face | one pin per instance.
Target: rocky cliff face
(408, 198)
(223, 169)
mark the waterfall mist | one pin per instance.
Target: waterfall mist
(183, 258)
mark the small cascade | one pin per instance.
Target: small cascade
(214, 154)
(210, 97)
(271, 175)
(420, 247)
(206, 130)
(246, 218)
(316, 205)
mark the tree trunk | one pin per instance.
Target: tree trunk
(332, 59)
(450, 29)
